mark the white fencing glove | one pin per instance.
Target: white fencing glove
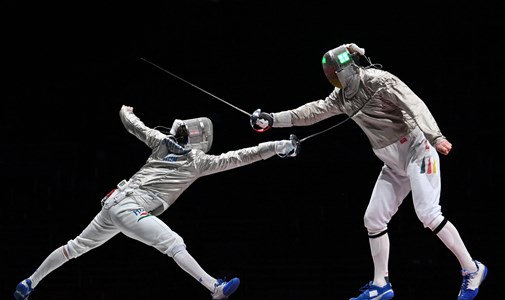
(289, 148)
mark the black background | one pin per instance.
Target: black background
(290, 228)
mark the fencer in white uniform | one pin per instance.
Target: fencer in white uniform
(176, 161)
(404, 135)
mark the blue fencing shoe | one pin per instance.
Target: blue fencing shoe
(23, 289)
(223, 289)
(471, 282)
(373, 292)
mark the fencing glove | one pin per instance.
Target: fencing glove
(261, 121)
(288, 148)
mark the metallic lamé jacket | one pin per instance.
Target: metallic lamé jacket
(165, 176)
(384, 107)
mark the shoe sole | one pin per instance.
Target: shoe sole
(388, 295)
(385, 296)
(18, 296)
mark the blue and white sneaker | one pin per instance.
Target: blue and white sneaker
(223, 289)
(471, 282)
(23, 289)
(373, 292)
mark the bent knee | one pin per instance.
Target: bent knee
(373, 225)
(75, 248)
(177, 249)
(432, 222)
(171, 246)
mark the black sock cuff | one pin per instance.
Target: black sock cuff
(374, 236)
(440, 226)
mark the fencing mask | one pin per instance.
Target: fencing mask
(196, 133)
(341, 69)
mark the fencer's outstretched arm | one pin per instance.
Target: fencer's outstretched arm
(211, 164)
(304, 115)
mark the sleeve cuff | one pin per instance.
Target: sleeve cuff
(282, 119)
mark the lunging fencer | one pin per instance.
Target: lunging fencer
(177, 160)
(405, 137)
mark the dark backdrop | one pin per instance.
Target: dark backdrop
(289, 228)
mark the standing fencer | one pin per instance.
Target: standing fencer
(404, 135)
(176, 161)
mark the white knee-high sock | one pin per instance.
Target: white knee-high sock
(52, 262)
(452, 240)
(379, 247)
(189, 264)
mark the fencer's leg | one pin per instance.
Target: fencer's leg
(94, 235)
(137, 224)
(379, 247)
(389, 191)
(449, 235)
(186, 262)
(57, 258)
(473, 272)
(219, 289)
(426, 189)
